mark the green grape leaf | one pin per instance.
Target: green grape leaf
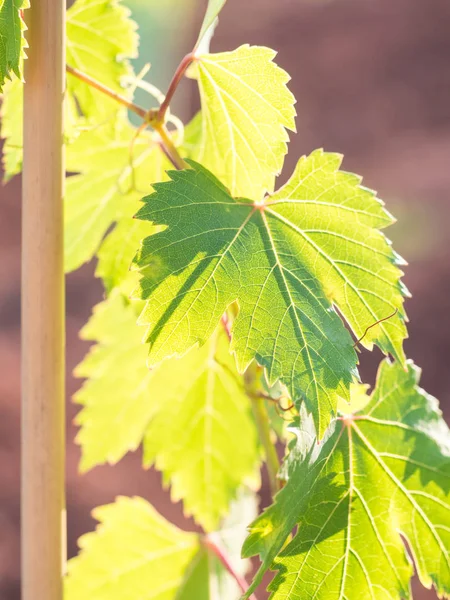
(134, 553)
(288, 261)
(379, 482)
(116, 254)
(246, 109)
(101, 38)
(114, 175)
(119, 247)
(12, 41)
(210, 19)
(192, 414)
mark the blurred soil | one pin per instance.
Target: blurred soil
(372, 79)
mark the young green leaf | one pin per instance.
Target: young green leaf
(101, 38)
(12, 41)
(212, 12)
(379, 482)
(134, 553)
(246, 109)
(116, 253)
(287, 261)
(191, 414)
(114, 175)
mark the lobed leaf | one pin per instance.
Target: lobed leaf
(379, 482)
(134, 553)
(114, 175)
(101, 38)
(246, 109)
(288, 261)
(192, 414)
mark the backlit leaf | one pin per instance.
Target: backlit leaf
(134, 554)
(288, 261)
(191, 414)
(246, 109)
(378, 483)
(100, 39)
(114, 176)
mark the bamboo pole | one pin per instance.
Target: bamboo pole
(43, 423)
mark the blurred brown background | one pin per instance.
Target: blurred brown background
(372, 79)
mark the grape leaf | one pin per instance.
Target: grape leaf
(116, 253)
(101, 38)
(12, 41)
(191, 414)
(119, 247)
(378, 482)
(287, 261)
(108, 189)
(135, 553)
(246, 107)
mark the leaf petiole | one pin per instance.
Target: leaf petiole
(141, 112)
(219, 552)
(178, 75)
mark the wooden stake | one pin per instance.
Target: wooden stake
(43, 424)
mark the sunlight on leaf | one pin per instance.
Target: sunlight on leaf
(192, 414)
(246, 110)
(379, 481)
(314, 244)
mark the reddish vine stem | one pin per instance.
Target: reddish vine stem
(106, 90)
(220, 553)
(169, 146)
(178, 75)
(150, 117)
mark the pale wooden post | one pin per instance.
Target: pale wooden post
(43, 425)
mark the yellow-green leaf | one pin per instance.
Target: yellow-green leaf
(134, 554)
(100, 39)
(379, 483)
(114, 175)
(191, 414)
(246, 108)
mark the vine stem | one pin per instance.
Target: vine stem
(108, 91)
(220, 553)
(151, 117)
(178, 75)
(171, 151)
